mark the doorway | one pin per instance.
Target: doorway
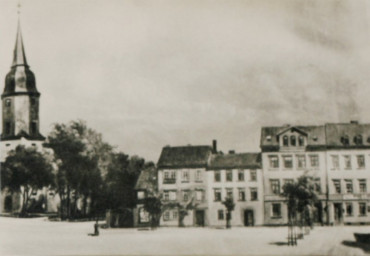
(248, 218)
(199, 218)
(338, 213)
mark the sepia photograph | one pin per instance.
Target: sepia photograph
(184, 127)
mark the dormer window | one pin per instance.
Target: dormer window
(358, 139)
(345, 140)
(301, 141)
(285, 141)
(292, 140)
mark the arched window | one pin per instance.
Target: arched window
(301, 141)
(358, 139)
(285, 141)
(345, 140)
(292, 140)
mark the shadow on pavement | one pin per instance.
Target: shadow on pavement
(364, 247)
(279, 243)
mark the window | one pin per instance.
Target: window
(143, 215)
(275, 186)
(33, 101)
(349, 186)
(345, 140)
(253, 174)
(362, 209)
(185, 195)
(174, 214)
(8, 103)
(185, 176)
(358, 139)
(349, 209)
(276, 210)
(229, 175)
(288, 162)
(254, 194)
(241, 194)
(317, 185)
(285, 141)
(360, 161)
(198, 176)
(301, 161)
(166, 216)
(362, 186)
(241, 175)
(292, 140)
(140, 195)
(337, 186)
(169, 177)
(217, 193)
(274, 161)
(314, 159)
(166, 195)
(217, 175)
(220, 214)
(229, 193)
(301, 141)
(33, 127)
(347, 162)
(288, 181)
(335, 162)
(7, 128)
(199, 195)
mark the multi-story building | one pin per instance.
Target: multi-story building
(337, 155)
(238, 176)
(348, 167)
(289, 152)
(182, 179)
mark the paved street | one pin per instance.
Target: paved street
(41, 237)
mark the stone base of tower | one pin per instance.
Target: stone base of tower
(43, 201)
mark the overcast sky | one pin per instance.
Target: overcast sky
(152, 73)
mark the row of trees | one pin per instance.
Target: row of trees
(87, 173)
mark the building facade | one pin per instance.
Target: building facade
(182, 180)
(237, 176)
(336, 155)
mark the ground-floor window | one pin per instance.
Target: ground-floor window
(349, 210)
(362, 209)
(220, 214)
(143, 216)
(170, 215)
(276, 210)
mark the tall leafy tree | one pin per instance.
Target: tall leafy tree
(229, 205)
(26, 170)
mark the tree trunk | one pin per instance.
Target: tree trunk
(68, 202)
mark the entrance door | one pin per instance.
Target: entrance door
(338, 217)
(199, 218)
(248, 218)
(318, 213)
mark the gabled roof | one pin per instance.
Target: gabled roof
(184, 157)
(235, 161)
(147, 179)
(270, 135)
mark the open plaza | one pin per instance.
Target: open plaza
(39, 236)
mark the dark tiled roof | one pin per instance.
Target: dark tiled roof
(232, 161)
(184, 157)
(147, 179)
(335, 133)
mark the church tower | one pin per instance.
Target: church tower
(20, 103)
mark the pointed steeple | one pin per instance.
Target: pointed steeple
(19, 58)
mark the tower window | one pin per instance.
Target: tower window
(33, 127)
(7, 128)
(8, 103)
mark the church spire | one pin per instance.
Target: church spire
(19, 58)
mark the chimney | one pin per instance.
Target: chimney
(214, 146)
(354, 122)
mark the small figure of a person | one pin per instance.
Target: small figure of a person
(96, 228)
